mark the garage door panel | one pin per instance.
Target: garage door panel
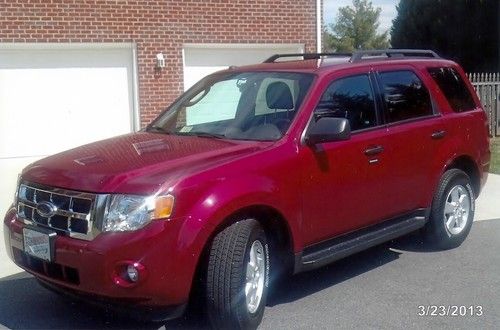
(55, 99)
(49, 110)
(93, 57)
(52, 100)
(9, 168)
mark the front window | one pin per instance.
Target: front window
(351, 98)
(241, 106)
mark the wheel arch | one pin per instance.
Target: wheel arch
(469, 166)
(272, 221)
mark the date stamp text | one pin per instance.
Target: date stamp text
(450, 310)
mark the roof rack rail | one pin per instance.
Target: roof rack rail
(361, 54)
(307, 56)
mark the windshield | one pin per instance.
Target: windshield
(243, 106)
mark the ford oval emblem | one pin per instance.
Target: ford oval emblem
(46, 209)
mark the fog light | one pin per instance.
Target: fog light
(129, 273)
(132, 273)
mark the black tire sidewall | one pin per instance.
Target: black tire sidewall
(252, 320)
(438, 232)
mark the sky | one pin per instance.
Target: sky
(330, 10)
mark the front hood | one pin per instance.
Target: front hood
(134, 163)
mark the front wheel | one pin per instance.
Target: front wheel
(452, 210)
(237, 276)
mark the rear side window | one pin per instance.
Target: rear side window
(405, 96)
(454, 88)
(351, 98)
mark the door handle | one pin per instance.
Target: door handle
(438, 135)
(374, 150)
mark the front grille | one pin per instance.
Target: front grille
(49, 269)
(67, 212)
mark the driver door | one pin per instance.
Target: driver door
(342, 185)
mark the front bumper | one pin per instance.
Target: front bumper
(89, 269)
(142, 313)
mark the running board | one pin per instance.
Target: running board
(323, 253)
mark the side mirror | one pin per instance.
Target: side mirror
(328, 129)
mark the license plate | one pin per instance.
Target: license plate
(38, 244)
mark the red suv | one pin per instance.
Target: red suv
(256, 171)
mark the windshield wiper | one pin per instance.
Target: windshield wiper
(158, 129)
(203, 134)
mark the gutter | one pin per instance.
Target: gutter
(318, 26)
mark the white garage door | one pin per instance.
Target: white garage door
(55, 97)
(203, 59)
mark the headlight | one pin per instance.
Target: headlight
(130, 212)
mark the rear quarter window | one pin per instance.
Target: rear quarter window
(453, 87)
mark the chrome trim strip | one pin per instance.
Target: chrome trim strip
(59, 191)
(64, 213)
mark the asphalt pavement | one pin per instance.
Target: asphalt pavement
(387, 287)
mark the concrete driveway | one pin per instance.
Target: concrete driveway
(380, 288)
(487, 205)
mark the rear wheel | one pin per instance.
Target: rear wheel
(452, 210)
(238, 276)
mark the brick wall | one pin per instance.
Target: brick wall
(155, 26)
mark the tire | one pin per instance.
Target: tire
(452, 210)
(236, 291)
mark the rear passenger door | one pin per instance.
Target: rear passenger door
(415, 133)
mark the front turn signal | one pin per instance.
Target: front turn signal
(164, 206)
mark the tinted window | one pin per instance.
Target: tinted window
(453, 87)
(405, 96)
(351, 98)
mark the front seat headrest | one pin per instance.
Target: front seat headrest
(278, 96)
